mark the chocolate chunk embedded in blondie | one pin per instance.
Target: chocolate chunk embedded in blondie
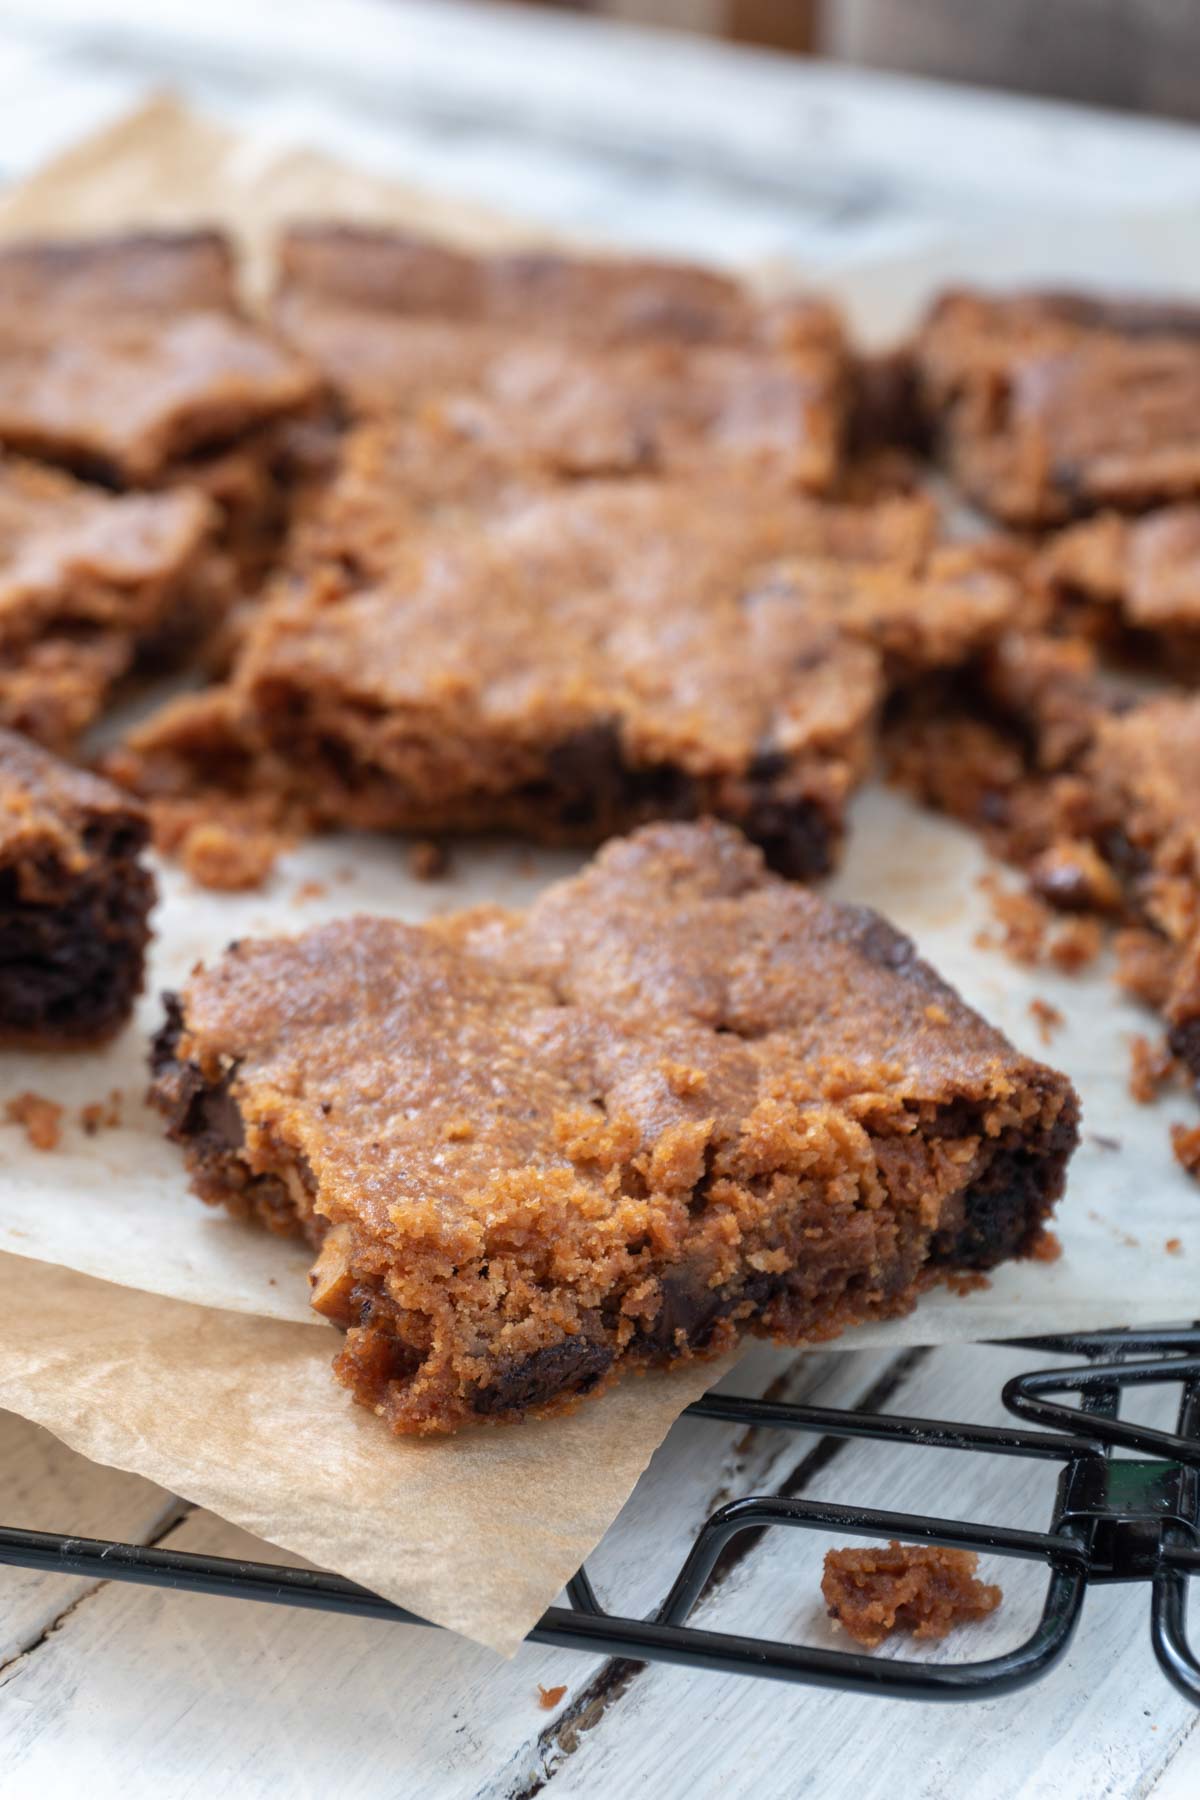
(74, 901)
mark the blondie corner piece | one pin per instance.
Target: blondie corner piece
(677, 1100)
(91, 583)
(1048, 406)
(128, 358)
(74, 901)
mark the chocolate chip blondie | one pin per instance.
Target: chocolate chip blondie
(676, 1100)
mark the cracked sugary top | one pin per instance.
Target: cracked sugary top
(1061, 403)
(596, 367)
(674, 1001)
(70, 552)
(55, 817)
(1146, 569)
(473, 599)
(124, 354)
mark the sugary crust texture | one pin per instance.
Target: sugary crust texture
(464, 645)
(677, 1099)
(1131, 584)
(590, 368)
(598, 300)
(89, 583)
(123, 357)
(74, 901)
(1050, 406)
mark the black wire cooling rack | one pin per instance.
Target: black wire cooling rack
(1129, 1517)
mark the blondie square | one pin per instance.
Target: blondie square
(678, 1099)
(89, 583)
(592, 367)
(466, 645)
(1046, 406)
(122, 358)
(74, 901)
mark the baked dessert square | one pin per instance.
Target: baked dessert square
(1092, 789)
(464, 645)
(123, 358)
(91, 582)
(74, 901)
(1132, 584)
(600, 367)
(1047, 406)
(677, 1099)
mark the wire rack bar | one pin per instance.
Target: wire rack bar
(1130, 1518)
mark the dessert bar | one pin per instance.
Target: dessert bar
(1046, 406)
(462, 645)
(591, 367)
(1092, 789)
(126, 359)
(74, 901)
(678, 1099)
(89, 583)
(1132, 584)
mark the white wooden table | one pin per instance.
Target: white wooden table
(112, 1690)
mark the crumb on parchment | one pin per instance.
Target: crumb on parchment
(919, 1588)
(102, 1115)
(1033, 933)
(39, 1118)
(1150, 1065)
(1047, 1247)
(1047, 1018)
(228, 860)
(1185, 1141)
(428, 860)
(549, 1697)
(1174, 1246)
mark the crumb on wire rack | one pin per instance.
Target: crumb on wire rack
(922, 1589)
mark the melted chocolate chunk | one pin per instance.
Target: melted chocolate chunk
(574, 1366)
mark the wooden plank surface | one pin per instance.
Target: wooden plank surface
(131, 1691)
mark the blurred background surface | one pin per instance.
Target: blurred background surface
(1140, 55)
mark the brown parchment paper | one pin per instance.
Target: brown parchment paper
(164, 165)
(163, 1338)
(477, 1532)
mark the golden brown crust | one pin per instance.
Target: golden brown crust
(590, 367)
(90, 582)
(122, 356)
(1132, 584)
(677, 1098)
(466, 644)
(1048, 406)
